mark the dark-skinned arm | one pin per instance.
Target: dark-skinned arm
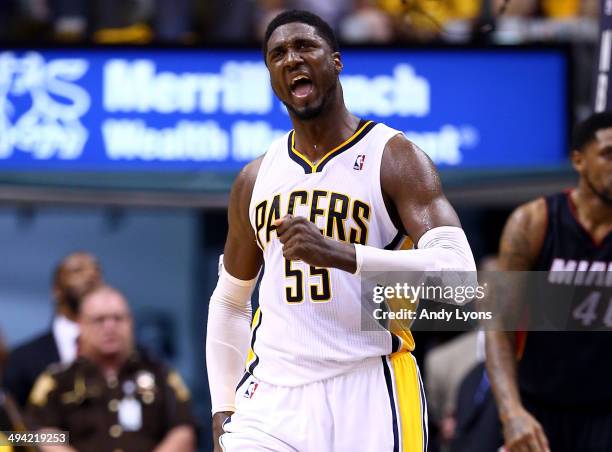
(242, 259)
(410, 180)
(519, 246)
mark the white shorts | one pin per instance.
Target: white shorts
(378, 407)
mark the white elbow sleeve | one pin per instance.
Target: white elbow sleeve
(227, 338)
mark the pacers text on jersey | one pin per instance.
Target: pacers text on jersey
(336, 214)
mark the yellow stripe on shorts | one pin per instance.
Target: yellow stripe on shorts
(410, 403)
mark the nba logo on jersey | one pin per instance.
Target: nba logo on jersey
(359, 162)
(250, 390)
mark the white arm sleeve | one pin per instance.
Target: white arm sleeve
(443, 252)
(439, 249)
(227, 338)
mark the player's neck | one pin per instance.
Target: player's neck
(593, 213)
(316, 137)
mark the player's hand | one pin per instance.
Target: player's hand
(302, 240)
(217, 428)
(522, 433)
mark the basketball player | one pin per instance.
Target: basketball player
(559, 396)
(317, 209)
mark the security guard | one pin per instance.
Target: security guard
(113, 398)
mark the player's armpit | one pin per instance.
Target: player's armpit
(523, 236)
(242, 257)
(411, 183)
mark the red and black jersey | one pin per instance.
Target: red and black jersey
(571, 367)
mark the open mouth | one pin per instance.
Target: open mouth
(301, 86)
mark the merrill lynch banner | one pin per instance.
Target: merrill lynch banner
(105, 109)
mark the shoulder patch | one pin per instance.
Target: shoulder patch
(42, 387)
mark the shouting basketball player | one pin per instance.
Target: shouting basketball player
(559, 395)
(317, 209)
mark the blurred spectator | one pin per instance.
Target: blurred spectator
(10, 418)
(69, 19)
(8, 11)
(366, 24)
(242, 21)
(230, 21)
(477, 426)
(589, 8)
(516, 8)
(173, 20)
(76, 275)
(333, 12)
(112, 397)
(561, 9)
(445, 367)
(122, 21)
(266, 11)
(425, 20)
(330, 11)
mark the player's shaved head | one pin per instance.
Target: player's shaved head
(304, 17)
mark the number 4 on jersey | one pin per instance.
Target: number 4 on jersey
(586, 311)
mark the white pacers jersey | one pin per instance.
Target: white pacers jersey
(308, 327)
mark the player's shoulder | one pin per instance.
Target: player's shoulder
(397, 146)
(403, 160)
(532, 214)
(523, 236)
(243, 185)
(249, 172)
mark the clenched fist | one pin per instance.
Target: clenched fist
(302, 240)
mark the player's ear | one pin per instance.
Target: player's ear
(337, 62)
(577, 158)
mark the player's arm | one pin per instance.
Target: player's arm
(229, 313)
(411, 183)
(519, 247)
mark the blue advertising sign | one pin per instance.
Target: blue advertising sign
(214, 110)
